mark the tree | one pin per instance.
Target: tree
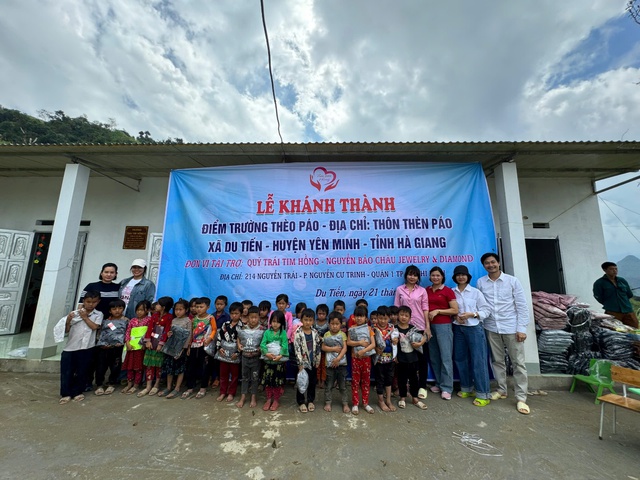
(633, 10)
(57, 127)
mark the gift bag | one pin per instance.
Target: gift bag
(361, 332)
(302, 381)
(334, 341)
(175, 343)
(59, 330)
(137, 337)
(112, 333)
(156, 335)
(250, 339)
(275, 348)
(225, 352)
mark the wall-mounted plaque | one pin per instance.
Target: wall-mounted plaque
(135, 238)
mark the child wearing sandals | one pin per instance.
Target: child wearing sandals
(249, 340)
(408, 358)
(81, 325)
(274, 348)
(112, 336)
(384, 366)
(334, 347)
(227, 354)
(322, 326)
(159, 323)
(136, 331)
(307, 345)
(175, 366)
(360, 363)
(203, 330)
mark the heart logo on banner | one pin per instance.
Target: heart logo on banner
(323, 179)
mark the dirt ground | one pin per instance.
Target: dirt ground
(121, 436)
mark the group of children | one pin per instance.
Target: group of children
(183, 342)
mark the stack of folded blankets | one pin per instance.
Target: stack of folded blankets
(550, 309)
(617, 347)
(553, 347)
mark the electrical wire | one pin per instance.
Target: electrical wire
(623, 207)
(273, 87)
(619, 219)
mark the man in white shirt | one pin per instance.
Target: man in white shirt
(506, 326)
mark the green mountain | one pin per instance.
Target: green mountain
(629, 269)
(58, 128)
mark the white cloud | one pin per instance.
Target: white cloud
(459, 70)
(602, 108)
(360, 71)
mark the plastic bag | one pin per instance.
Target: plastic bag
(226, 351)
(250, 339)
(210, 349)
(137, 337)
(395, 334)
(405, 343)
(19, 352)
(157, 333)
(380, 342)
(112, 333)
(334, 341)
(58, 330)
(361, 332)
(175, 343)
(302, 381)
(414, 337)
(275, 348)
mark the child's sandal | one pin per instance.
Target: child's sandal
(354, 410)
(303, 408)
(420, 405)
(497, 395)
(369, 409)
(173, 394)
(142, 393)
(402, 404)
(462, 394)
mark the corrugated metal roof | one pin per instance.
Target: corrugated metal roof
(595, 160)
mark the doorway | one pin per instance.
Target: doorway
(545, 265)
(34, 280)
(40, 251)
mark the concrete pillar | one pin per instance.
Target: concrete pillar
(57, 273)
(514, 258)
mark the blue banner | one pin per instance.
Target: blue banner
(321, 232)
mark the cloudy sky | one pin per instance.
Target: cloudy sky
(411, 70)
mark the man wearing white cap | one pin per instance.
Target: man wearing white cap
(136, 288)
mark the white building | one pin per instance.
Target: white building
(76, 200)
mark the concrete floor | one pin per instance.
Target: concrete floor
(120, 436)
